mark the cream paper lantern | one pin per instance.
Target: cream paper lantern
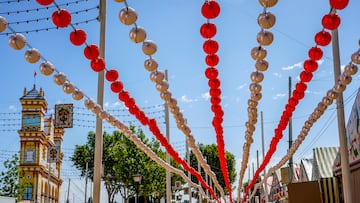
(96, 109)
(345, 79)
(128, 16)
(46, 68)
(174, 110)
(68, 87)
(355, 57)
(256, 96)
(252, 110)
(89, 103)
(162, 86)
(77, 95)
(266, 20)
(137, 34)
(255, 88)
(252, 120)
(110, 119)
(268, 3)
(119, 1)
(258, 53)
(322, 106)
(261, 65)
(252, 103)
(331, 94)
(165, 95)
(172, 103)
(59, 78)
(17, 41)
(327, 101)
(32, 55)
(157, 77)
(351, 69)
(149, 47)
(265, 37)
(151, 64)
(103, 114)
(339, 88)
(3, 24)
(257, 77)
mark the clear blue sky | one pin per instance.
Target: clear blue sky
(174, 26)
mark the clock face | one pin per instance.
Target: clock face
(31, 120)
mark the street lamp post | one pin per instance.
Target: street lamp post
(137, 179)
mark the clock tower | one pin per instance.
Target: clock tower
(38, 137)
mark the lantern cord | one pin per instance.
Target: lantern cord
(49, 28)
(37, 9)
(47, 18)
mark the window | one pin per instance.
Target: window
(28, 193)
(29, 156)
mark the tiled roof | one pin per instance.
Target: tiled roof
(323, 162)
(33, 94)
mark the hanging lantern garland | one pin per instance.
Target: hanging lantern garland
(97, 63)
(210, 10)
(329, 21)
(344, 79)
(46, 68)
(266, 20)
(128, 16)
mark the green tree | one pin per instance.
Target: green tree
(210, 152)
(10, 186)
(84, 154)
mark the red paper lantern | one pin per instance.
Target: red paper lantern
(293, 102)
(214, 83)
(215, 92)
(339, 4)
(91, 52)
(315, 53)
(215, 108)
(310, 65)
(306, 76)
(210, 46)
(300, 86)
(211, 73)
(208, 30)
(219, 113)
(130, 102)
(217, 121)
(331, 21)
(78, 37)
(323, 38)
(212, 59)
(134, 109)
(116, 86)
(61, 18)
(289, 108)
(97, 64)
(111, 75)
(298, 95)
(215, 100)
(44, 2)
(123, 96)
(210, 9)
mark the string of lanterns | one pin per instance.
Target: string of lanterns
(46, 68)
(330, 21)
(62, 18)
(128, 16)
(344, 79)
(211, 10)
(266, 20)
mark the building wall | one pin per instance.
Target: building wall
(355, 178)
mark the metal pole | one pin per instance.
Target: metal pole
(291, 171)
(100, 98)
(68, 193)
(345, 170)
(168, 177)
